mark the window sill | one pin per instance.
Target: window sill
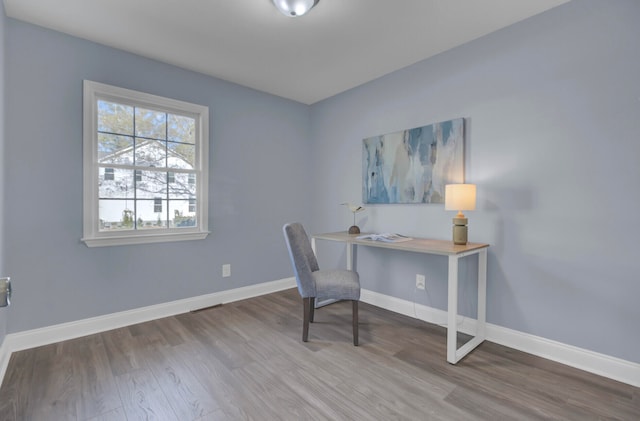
(143, 239)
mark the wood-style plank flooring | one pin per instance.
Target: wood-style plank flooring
(245, 360)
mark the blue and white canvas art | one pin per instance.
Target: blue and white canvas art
(413, 166)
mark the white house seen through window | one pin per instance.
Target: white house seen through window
(145, 161)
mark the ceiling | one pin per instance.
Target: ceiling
(339, 45)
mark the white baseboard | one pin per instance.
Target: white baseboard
(5, 355)
(603, 365)
(65, 331)
(583, 359)
(593, 362)
(417, 311)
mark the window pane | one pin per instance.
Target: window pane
(115, 214)
(115, 118)
(180, 215)
(153, 184)
(147, 215)
(150, 123)
(181, 155)
(115, 183)
(181, 188)
(113, 149)
(182, 129)
(150, 153)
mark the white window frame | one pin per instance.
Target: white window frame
(92, 236)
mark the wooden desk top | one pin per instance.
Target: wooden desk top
(418, 245)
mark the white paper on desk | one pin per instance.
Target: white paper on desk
(386, 237)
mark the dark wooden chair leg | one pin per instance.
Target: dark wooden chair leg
(305, 323)
(355, 322)
(313, 309)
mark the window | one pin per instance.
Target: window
(157, 205)
(145, 167)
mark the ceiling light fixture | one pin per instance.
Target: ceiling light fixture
(294, 8)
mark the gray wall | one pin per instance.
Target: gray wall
(257, 182)
(553, 106)
(3, 311)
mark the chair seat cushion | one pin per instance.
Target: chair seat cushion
(337, 284)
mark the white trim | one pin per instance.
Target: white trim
(603, 365)
(92, 236)
(5, 355)
(47, 335)
(593, 362)
(417, 311)
(583, 359)
(163, 237)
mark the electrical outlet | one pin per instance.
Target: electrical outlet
(226, 270)
(420, 281)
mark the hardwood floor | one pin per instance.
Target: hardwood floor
(245, 360)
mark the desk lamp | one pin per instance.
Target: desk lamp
(459, 197)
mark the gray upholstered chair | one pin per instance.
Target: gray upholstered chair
(314, 283)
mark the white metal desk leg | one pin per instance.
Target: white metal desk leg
(313, 246)
(482, 294)
(452, 310)
(350, 256)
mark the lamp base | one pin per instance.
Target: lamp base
(460, 231)
(353, 229)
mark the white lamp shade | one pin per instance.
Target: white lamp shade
(459, 197)
(294, 7)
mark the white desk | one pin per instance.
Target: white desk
(437, 247)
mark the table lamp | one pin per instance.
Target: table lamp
(459, 197)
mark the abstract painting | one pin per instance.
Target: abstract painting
(413, 166)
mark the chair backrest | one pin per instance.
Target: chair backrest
(303, 259)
